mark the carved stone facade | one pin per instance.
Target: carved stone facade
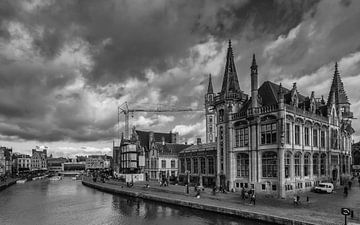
(278, 141)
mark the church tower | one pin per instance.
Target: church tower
(210, 114)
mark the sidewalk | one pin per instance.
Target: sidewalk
(321, 209)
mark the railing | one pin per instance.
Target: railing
(255, 111)
(228, 96)
(303, 112)
(347, 114)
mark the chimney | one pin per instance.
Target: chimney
(198, 141)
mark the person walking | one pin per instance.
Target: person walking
(243, 193)
(252, 198)
(345, 191)
(349, 183)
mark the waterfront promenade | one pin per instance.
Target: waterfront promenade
(7, 183)
(321, 208)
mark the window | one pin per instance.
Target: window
(195, 165)
(241, 137)
(323, 164)
(297, 162)
(287, 164)
(211, 165)
(202, 166)
(221, 115)
(268, 133)
(306, 164)
(188, 164)
(307, 136)
(322, 139)
(243, 165)
(334, 139)
(288, 137)
(163, 163)
(297, 134)
(316, 164)
(274, 187)
(315, 137)
(269, 164)
(172, 163)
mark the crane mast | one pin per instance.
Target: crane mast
(124, 108)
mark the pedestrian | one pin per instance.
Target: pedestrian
(349, 183)
(187, 188)
(345, 191)
(298, 199)
(252, 198)
(243, 193)
(295, 200)
(214, 190)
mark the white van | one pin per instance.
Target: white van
(324, 187)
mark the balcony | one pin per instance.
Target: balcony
(305, 113)
(255, 111)
(347, 115)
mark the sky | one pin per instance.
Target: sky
(66, 66)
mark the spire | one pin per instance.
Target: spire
(230, 80)
(337, 90)
(253, 64)
(281, 91)
(210, 87)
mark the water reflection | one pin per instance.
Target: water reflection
(69, 202)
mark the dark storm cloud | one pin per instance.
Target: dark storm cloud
(123, 39)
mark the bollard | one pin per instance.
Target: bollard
(352, 214)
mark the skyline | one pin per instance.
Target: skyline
(66, 66)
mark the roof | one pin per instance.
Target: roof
(337, 90)
(144, 138)
(200, 147)
(169, 148)
(210, 86)
(230, 80)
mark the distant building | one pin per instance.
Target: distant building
(198, 164)
(132, 156)
(39, 160)
(22, 163)
(73, 166)
(163, 159)
(94, 162)
(6, 161)
(55, 164)
(356, 157)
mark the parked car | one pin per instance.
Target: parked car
(324, 188)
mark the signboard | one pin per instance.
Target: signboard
(345, 211)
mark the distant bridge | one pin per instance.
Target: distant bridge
(71, 172)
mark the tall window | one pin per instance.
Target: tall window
(202, 166)
(163, 163)
(297, 162)
(268, 133)
(316, 164)
(195, 163)
(307, 136)
(269, 164)
(306, 164)
(188, 164)
(243, 165)
(287, 164)
(297, 134)
(182, 165)
(211, 165)
(334, 139)
(241, 137)
(323, 139)
(322, 164)
(172, 163)
(288, 137)
(315, 137)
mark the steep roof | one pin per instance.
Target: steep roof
(169, 148)
(210, 86)
(144, 138)
(337, 89)
(230, 79)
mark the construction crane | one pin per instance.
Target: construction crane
(124, 108)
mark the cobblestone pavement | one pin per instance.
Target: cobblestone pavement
(321, 208)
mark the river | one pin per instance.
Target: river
(69, 202)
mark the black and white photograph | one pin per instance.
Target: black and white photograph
(181, 112)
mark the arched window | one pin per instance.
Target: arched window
(322, 164)
(297, 162)
(287, 164)
(182, 165)
(316, 164)
(202, 166)
(269, 164)
(211, 165)
(188, 165)
(195, 165)
(242, 165)
(306, 164)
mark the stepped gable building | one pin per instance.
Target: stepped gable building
(39, 160)
(276, 140)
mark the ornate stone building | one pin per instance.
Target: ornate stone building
(277, 140)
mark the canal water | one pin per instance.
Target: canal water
(69, 202)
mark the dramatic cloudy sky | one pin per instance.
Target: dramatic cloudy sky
(65, 66)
